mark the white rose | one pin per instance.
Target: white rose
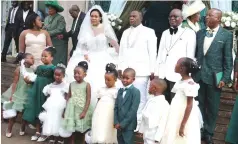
(119, 27)
(227, 24)
(233, 24)
(113, 23)
(233, 17)
(229, 13)
(228, 19)
(223, 19)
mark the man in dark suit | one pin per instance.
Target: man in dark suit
(126, 106)
(78, 17)
(214, 55)
(22, 18)
(10, 30)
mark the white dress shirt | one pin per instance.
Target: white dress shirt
(208, 40)
(25, 13)
(12, 15)
(124, 92)
(171, 49)
(76, 21)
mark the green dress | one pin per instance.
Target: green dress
(232, 133)
(21, 85)
(6, 95)
(74, 108)
(36, 98)
(19, 98)
(56, 25)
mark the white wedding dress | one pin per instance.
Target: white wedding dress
(99, 55)
(94, 42)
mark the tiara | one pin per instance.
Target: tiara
(61, 65)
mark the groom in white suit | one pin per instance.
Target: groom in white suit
(138, 51)
(176, 42)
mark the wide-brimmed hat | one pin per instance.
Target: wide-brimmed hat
(54, 4)
(192, 8)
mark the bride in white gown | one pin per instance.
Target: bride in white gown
(93, 46)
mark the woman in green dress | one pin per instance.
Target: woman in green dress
(36, 98)
(55, 25)
(191, 15)
(232, 133)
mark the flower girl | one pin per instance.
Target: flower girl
(184, 120)
(78, 112)
(19, 91)
(54, 105)
(102, 122)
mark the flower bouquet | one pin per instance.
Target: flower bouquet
(114, 21)
(229, 20)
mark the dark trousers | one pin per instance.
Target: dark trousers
(9, 34)
(125, 137)
(168, 94)
(209, 101)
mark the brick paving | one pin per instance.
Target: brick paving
(226, 106)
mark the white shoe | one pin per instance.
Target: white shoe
(35, 137)
(21, 133)
(42, 139)
(8, 135)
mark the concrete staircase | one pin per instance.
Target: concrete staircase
(226, 105)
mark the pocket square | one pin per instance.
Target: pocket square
(220, 41)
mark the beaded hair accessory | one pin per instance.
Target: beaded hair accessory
(110, 67)
(61, 65)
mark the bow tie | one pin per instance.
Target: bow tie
(173, 30)
(209, 33)
(125, 89)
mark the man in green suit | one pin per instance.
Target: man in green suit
(126, 106)
(214, 55)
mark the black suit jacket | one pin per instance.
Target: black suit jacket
(20, 24)
(74, 34)
(8, 20)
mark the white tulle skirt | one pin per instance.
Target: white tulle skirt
(54, 107)
(96, 69)
(103, 130)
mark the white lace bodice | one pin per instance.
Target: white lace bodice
(98, 43)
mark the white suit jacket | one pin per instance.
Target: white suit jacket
(171, 49)
(154, 118)
(138, 50)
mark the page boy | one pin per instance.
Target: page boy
(126, 106)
